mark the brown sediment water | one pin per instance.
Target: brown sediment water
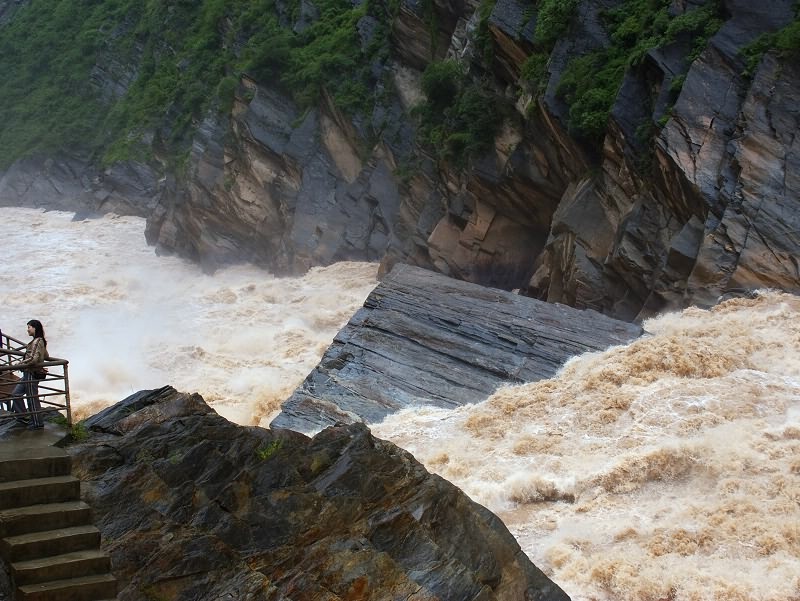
(129, 320)
(668, 468)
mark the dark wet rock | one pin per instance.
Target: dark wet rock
(296, 191)
(425, 339)
(193, 507)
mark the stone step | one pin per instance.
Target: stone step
(48, 516)
(37, 462)
(86, 588)
(50, 542)
(54, 489)
(60, 567)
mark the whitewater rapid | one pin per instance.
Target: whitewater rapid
(666, 469)
(129, 320)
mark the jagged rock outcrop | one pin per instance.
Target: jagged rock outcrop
(426, 339)
(193, 507)
(740, 166)
(294, 195)
(721, 213)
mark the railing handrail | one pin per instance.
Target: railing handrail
(51, 362)
(9, 362)
(9, 339)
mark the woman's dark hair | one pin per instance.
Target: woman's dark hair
(38, 329)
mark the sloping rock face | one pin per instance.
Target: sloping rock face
(741, 168)
(192, 507)
(426, 339)
(280, 194)
(720, 213)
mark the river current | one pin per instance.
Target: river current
(128, 320)
(665, 469)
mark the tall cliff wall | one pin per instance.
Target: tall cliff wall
(690, 190)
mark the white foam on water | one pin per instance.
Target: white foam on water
(128, 320)
(665, 469)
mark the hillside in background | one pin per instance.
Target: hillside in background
(622, 155)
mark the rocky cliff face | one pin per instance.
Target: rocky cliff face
(288, 190)
(703, 205)
(192, 507)
(720, 213)
(72, 183)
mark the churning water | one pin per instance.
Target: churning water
(128, 320)
(666, 469)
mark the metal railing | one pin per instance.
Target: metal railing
(53, 389)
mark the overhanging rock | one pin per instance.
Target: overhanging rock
(425, 339)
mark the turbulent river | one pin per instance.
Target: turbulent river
(667, 469)
(128, 320)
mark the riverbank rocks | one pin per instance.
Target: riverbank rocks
(193, 507)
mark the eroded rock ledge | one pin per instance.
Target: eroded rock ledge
(425, 339)
(193, 507)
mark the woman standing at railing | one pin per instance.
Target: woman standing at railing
(32, 372)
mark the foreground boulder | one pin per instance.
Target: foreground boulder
(426, 339)
(193, 507)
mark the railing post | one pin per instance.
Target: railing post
(66, 395)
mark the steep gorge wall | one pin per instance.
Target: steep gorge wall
(719, 212)
(714, 209)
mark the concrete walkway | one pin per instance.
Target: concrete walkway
(14, 441)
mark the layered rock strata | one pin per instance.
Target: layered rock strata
(426, 339)
(194, 508)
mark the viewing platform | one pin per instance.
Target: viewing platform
(49, 545)
(52, 390)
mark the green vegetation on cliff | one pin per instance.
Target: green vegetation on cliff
(460, 116)
(591, 82)
(123, 78)
(785, 42)
(47, 54)
(553, 17)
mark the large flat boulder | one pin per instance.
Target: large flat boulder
(425, 339)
